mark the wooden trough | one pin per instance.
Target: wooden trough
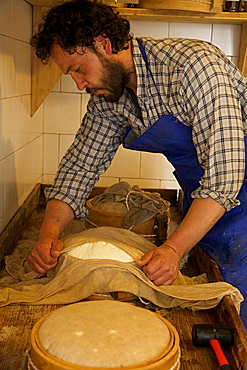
(17, 321)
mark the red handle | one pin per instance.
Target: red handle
(218, 352)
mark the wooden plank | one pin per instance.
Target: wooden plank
(214, 6)
(227, 315)
(10, 235)
(169, 15)
(15, 328)
(184, 5)
(44, 77)
(217, 6)
(226, 311)
(51, 3)
(17, 320)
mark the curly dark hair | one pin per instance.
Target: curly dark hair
(76, 23)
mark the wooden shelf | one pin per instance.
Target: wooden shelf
(44, 77)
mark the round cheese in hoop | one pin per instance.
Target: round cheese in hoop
(105, 334)
(100, 250)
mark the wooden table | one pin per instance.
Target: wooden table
(16, 321)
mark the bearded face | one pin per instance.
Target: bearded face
(113, 80)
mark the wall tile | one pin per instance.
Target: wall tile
(5, 17)
(142, 183)
(2, 68)
(68, 84)
(227, 38)
(6, 147)
(32, 126)
(35, 153)
(21, 141)
(23, 68)
(156, 30)
(191, 30)
(105, 181)
(16, 19)
(16, 123)
(62, 113)
(10, 193)
(50, 165)
(155, 166)
(2, 182)
(169, 184)
(28, 166)
(57, 86)
(21, 170)
(10, 67)
(26, 21)
(235, 60)
(47, 179)
(126, 163)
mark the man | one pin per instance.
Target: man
(179, 97)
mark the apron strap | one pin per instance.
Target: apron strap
(144, 56)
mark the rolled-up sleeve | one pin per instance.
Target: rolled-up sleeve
(217, 128)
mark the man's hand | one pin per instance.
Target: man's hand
(161, 265)
(48, 248)
(44, 255)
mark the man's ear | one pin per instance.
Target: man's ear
(104, 44)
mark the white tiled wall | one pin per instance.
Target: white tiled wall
(21, 137)
(145, 169)
(30, 148)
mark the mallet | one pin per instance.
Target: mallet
(215, 336)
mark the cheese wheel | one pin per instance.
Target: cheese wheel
(104, 334)
(100, 250)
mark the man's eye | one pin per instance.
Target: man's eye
(78, 70)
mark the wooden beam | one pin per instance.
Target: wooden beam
(169, 15)
(48, 3)
(44, 77)
(185, 5)
(51, 3)
(217, 6)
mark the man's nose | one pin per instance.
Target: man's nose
(80, 82)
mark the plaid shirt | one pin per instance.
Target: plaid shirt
(196, 83)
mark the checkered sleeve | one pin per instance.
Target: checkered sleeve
(87, 158)
(215, 112)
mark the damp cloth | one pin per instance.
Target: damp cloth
(74, 279)
(138, 205)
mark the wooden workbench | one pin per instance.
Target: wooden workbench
(16, 321)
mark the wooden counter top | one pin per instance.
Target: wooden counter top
(17, 320)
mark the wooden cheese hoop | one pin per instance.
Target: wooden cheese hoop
(41, 359)
(148, 229)
(100, 217)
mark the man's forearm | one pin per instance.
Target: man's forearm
(57, 216)
(201, 217)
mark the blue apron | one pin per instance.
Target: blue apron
(226, 242)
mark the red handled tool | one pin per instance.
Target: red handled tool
(216, 336)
